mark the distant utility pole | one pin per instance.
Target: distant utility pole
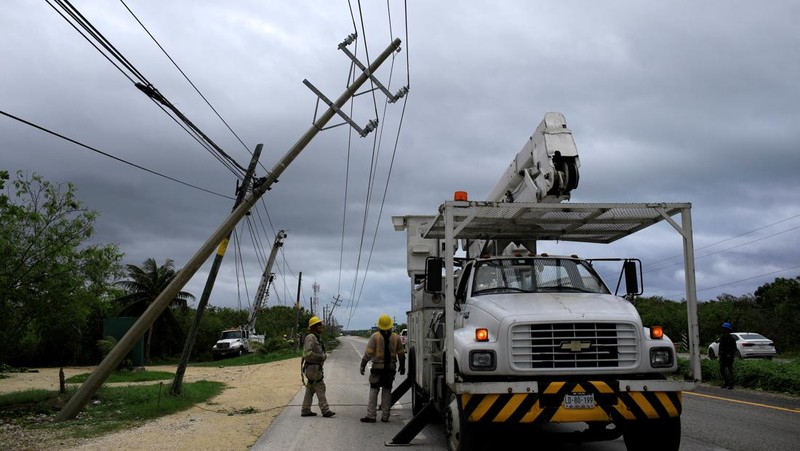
(336, 300)
(145, 321)
(315, 298)
(212, 277)
(297, 310)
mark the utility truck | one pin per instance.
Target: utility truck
(242, 339)
(504, 339)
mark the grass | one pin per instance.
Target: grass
(126, 376)
(251, 359)
(121, 407)
(757, 374)
(111, 409)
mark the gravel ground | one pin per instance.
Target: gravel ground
(234, 420)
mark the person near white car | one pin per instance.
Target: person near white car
(727, 353)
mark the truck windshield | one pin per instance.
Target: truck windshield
(231, 334)
(535, 275)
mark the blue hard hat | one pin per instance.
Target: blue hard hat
(727, 325)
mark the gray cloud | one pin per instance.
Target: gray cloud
(683, 102)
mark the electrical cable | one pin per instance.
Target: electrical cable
(728, 239)
(111, 156)
(142, 84)
(750, 278)
(185, 76)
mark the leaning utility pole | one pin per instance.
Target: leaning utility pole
(123, 347)
(212, 277)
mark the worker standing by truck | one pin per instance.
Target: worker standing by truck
(313, 358)
(385, 350)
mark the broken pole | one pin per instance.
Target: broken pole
(123, 347)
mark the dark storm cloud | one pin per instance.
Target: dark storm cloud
(685, 102)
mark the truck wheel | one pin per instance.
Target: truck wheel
(711, 354)
(654, 435)
(240, 352)
(460, 435)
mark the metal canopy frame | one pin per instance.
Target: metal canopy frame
(589, 223)
(580, 222)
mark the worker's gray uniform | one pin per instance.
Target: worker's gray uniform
(384, 355)
(314, 357)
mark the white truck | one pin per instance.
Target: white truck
(504, 339)
(240, 340)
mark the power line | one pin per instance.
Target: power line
(109, 155)
(751, 278)
(142, 84)
(184, 75)
(729, 239)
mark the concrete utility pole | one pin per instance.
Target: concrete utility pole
(123, 347)
(177, 381)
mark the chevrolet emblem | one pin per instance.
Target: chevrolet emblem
(575, 345)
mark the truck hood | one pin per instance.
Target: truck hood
(229, 340)
(553, 306)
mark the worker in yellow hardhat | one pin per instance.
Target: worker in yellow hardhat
(313, 357)
(385, 350)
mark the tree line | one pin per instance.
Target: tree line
(773, 311)
(56, 289)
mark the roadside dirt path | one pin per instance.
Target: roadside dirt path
(234, 420)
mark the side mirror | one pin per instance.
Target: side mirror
(433, 274)
(632, 272)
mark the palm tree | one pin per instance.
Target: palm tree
(145, 283)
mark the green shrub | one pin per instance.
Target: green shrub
(756, 374)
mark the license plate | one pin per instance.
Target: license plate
(579, 401)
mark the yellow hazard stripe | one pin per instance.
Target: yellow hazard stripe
(548, 405)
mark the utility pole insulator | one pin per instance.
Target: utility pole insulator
(348, 40)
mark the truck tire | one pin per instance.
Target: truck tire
(711, 354)
(460, 435)
(653, 435)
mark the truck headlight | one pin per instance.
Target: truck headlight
(661, 357)
(482, 360)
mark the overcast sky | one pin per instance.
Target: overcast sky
(667, 101)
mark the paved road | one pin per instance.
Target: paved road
(713, 419)
(347, 394)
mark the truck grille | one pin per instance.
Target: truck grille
(223, 345)
(573, 345)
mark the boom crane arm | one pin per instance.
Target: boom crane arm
(266, 280)
(544, 171)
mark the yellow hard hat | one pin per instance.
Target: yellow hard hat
(313, 320)
(385, 322)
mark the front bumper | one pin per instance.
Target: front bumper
(544, 402)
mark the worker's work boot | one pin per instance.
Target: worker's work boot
(329, 414)
(308, 414)
(368, 420)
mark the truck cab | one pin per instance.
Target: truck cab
(235, 342)
(529, 316)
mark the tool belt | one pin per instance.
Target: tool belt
(313, 372)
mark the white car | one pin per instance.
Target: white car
(748, 345)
